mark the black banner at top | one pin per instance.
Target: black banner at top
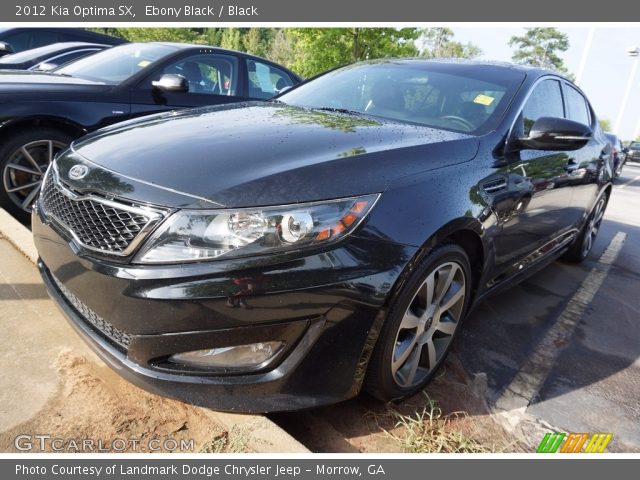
(254, 11)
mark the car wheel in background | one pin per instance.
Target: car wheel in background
(421, 325)
(24, 159)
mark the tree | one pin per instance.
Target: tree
(540, 47)
(257, 41)
(281, 48)
(605, 124)
(438, 42)
(232, 38)
(318, 49)
(181, 35)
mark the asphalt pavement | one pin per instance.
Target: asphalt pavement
(562, 349)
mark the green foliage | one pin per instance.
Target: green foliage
(318, 49)
(540, 47)
(309, 51)
(438, 42)
(605, 124)
(182, 35)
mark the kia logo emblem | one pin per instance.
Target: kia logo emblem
(77, 172)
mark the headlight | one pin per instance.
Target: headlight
(195, 235)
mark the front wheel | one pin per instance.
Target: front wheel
(421, 325)
(23, 160)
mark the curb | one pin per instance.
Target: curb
(264, 436)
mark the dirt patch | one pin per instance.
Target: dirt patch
(93, 403)
(452, 415)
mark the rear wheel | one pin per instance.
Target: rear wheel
(583, 243)
(24, 159)
(421, 325)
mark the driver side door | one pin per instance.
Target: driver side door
(535, 203)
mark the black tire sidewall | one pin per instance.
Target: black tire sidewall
(8, 147)
(380, 379)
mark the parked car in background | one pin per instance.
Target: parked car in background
(633, 152)
(49, 57)
(619, 153)
(18, 39)
(281, 255)
(43, 112)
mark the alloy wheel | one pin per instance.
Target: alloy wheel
(428, 325)
(23, 173)
(593, 226)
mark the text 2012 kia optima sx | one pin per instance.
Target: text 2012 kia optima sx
(285, 254)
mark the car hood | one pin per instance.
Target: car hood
(12, 81)
(264, 153)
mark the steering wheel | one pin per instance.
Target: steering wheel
(461, 121)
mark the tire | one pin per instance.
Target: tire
(582, 245)
(418, 338)
(21, 170)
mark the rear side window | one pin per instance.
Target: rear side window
(265, 81)
(577, 106)
(544, 101)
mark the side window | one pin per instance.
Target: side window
(212, 74)
(577, 106)
(544, 101)
(265, 81)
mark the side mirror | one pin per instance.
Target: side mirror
(549, 133)
(44, 67)
(5, 49)
(625, 150)
(170, 82)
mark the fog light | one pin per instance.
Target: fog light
(240, 356)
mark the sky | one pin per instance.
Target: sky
(607, 69)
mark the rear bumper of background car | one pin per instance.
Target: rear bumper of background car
(322, 305)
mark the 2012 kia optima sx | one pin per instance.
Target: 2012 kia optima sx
(285, 254)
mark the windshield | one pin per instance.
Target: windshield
(635, 146)
(452, 96)
(117, 64)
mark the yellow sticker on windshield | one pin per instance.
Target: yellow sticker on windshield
(144, 63)
(485, 100)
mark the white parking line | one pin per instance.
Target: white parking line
(514, 401)
(626, 184)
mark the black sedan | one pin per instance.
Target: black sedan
(283, 255)
(42, 113)
(49, 57)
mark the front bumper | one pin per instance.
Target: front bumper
(326, 307)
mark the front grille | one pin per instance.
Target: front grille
(112, 333)
(97, 224)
